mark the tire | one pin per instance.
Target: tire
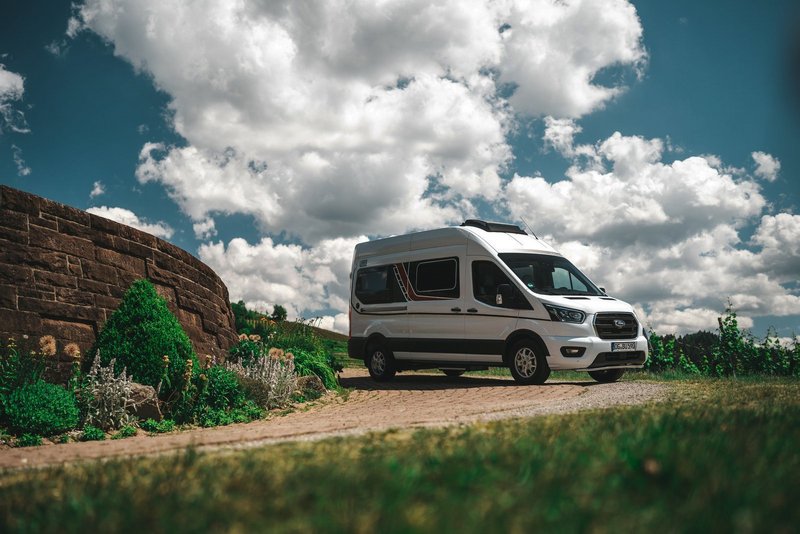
(380, 364)
(607, 376)
(453, 373)
(527, 364)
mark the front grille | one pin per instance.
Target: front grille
(606, 329)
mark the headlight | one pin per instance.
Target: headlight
(565, 315)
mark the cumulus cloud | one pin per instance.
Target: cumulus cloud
(299, 278)
(663, 235)
(767, 166)
(12, 87)
(125, 216)
(408, 128)
(97, 189)
(205, 229)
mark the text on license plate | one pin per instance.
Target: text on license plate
(623, 345)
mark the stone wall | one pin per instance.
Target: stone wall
(64, 271)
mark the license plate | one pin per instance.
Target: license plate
(620, 346)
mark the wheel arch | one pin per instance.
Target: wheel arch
(519, 335)
(374, 340)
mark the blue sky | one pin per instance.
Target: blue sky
(267, 140)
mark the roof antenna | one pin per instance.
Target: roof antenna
(528, 226)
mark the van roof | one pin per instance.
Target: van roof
(502, 242)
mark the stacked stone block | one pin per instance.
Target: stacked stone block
(63, 272)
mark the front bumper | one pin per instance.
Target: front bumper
(597, 353)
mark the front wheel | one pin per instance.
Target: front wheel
(380, 364)
(607, 376)
(528, 365)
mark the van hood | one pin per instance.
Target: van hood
(588, 305)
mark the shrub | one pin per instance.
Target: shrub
(269, 380)
(92, 433)
(147, 339)
(222, 389)
(245, 413)
(126, 431)
(317, 363)
(29, 440)
(41, 408)
(158, 427)
(106, 397)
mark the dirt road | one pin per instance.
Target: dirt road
(411, 400)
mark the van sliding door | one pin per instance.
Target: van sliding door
(433, 282)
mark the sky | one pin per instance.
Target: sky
(653, 143)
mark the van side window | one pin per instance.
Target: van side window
(436, 278)
(486, 278)
(378, 285)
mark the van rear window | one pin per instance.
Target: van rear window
(378, 285)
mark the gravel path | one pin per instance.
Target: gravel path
(409, 401)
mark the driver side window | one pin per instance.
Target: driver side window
(486, 278)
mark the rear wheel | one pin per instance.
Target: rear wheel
(380, 364)
(607, 376)
(453, 373)
(528, 365)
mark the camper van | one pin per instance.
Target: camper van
(483, 295)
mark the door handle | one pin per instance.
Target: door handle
(455, 309)
(473, 310)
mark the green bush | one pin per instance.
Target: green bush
(246, 412)
(126, 431)
(92, 433)
(730, 352)
(222, 389)
(315, 363)
(140, 333)
(158, 427)
(41, 408)
(29, 440)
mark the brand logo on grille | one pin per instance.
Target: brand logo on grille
(619, 323)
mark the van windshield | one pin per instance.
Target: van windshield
(549, 275)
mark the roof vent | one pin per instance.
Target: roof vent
(494, 226)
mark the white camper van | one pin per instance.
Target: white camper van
(484, 295)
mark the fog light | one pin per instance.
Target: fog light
(573, 352)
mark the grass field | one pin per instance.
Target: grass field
(720, 455)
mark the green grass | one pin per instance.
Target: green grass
(720, 455)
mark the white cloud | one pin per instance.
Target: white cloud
(767, 166)
(300, 279)
(22, 168)
(125, 216)
(779, 237)
(97, 189)
(665, 236)
(12, 87)
(408, 128)
(205, 229)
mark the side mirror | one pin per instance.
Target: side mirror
(504, 295)
(603, 291)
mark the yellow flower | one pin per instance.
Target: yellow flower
(255, 337)
(275, 354)
(203, 377)
(47, 345)
(289, 356)
(242, 337)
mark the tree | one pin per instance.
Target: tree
(278, 313)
